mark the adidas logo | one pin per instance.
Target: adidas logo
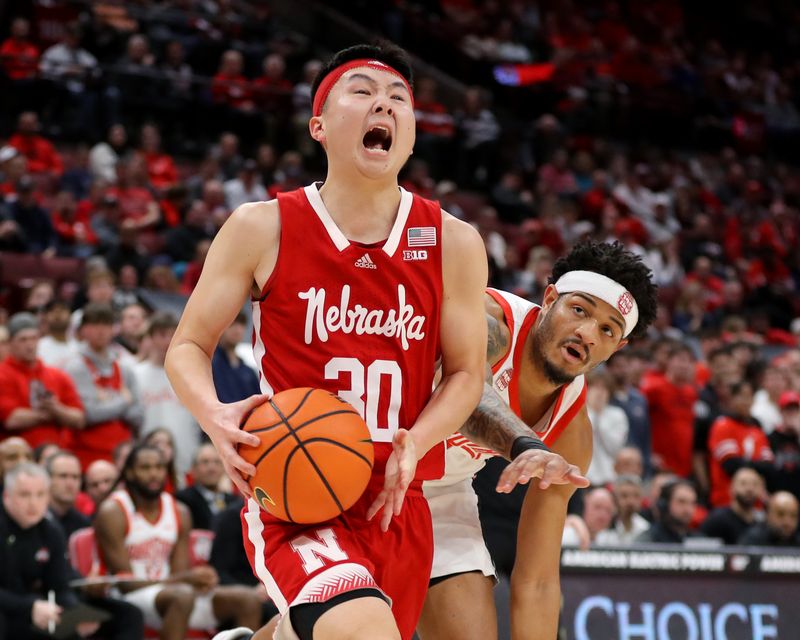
(365, 262)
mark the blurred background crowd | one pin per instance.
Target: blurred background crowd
(130, 131)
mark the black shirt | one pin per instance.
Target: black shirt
(661, 533)
(724, 523)
(71, 521)
(761, 535)
(33, 561)
(786, 447)
(228, 556)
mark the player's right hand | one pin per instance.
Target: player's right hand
(223, 427)
(44, 612)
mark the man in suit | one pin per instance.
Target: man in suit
(204, 498)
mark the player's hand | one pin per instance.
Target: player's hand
(223, 427)
(43, 612)
(549, 467)
(400, 468)
(203, 578)
(85, 629)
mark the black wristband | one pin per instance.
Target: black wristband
(526, 443)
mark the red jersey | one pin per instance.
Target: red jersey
(731, 438)
(672, 423)
(23, 386)
(361, 321)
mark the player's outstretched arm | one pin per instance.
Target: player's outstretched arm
(535, 584)
(463, 342)
(241, 256)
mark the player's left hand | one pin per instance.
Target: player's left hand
(549, 467)
(400, 468)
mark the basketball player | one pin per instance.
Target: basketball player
(357, 287)
(600, 295)
(143, 531)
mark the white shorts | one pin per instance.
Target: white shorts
(458, 545)
(144, 599)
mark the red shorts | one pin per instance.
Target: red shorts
(312, 563)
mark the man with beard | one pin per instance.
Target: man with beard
(781, 526)
(55, 347)
(599, 296)
(729, 523)
(143, 532)
(676, 504)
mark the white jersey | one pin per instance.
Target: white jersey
(149, 544)
(464, 458)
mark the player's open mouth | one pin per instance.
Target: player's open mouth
(572, 353)
(378, 139)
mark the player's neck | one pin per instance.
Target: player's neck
(364, 210)
(147, 506)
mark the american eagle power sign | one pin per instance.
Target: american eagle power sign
(660, 593)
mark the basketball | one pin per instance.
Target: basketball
(315, 456)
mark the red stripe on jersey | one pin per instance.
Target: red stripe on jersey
(513, 386)
(361, 321)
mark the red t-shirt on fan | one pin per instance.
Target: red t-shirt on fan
(361, 321)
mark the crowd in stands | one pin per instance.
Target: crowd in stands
(130, 134)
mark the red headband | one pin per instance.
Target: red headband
(328, 81)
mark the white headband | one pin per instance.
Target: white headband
(603, 287)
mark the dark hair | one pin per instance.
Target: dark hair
(48, 464)
(724, 350)
(735, 388)
(97, 313)
(679, 348)
(172, 474)
(161, 321)
(616, 262)
(381, 50)
(131, 459)
(667, 491)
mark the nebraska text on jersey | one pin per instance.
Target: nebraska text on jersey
(400, 322)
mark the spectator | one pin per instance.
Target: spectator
(785, 444)
(29, 573)
(160, 166)
(677, 501)
(632, 401)
(55, 346)
(723, 372)
(765, 409)
(41, 154)
(609, 429)
(245, 188)
(132, 327)
(99, 479)
(76, 238)
(730, 522)
(13, 452)
(64, 470)
(34, 226)
(671, 400)
(478, 135)
(143, 531)
(38, 402)
(301, 102)
(272, 93)
(227, 155)
(598, 511)
(233, 379)
(736, 440)
(230, 87)
(159, 403)
(780, 528)
(435, 124)
(137, 207)
(107, 388)
(629, 462)
(104, 156)
(135, 73)
(161, 438)
(19, 57)
(205, 499)
(628, 525)
(44, 452)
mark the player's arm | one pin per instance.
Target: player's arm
(463, 343)
(201, 578)
(243, 253)
(494, 425)
(110, 527)
(535, 584)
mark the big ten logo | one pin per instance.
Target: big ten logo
(702, 621)
(415, 254)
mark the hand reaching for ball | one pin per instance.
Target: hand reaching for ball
(223, 427)
(400, 469)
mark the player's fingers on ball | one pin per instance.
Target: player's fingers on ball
(243, 466)
(248, 439)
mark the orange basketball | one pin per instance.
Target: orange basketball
(315, 456)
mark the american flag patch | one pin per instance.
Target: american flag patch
(422, 237)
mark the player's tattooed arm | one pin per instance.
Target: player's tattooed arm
(493, 424)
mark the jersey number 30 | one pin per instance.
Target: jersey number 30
(365, 390)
